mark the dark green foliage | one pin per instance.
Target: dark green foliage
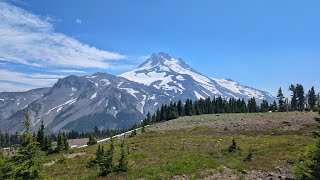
(312, 98)
(5, 166)
(294, 101)
(8, 140)
(24, 161)
(143, 129)
(106, 164)
(62, 143)
(300, 96)
(40, 135)
(309, 167)
(92, 140)
(123, 163)
(252, 105)
(233, 147)
(281, 101)
(47, 145)
(248, 158)
(264, 107)
(99, 155)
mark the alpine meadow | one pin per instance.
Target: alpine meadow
(173, 90)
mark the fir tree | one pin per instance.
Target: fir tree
(248, 158)
(232, 147)
(180, 108)
(301, 97)
(5, 166)
(312, 98)
(294, 102)
(92, 140)
(47, 146)
(106, 164)
(123, 163)
(24, 161)
(280, 98)
(40, 135)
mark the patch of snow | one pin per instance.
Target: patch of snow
(179, 77)
(119, 84)
(91, 77)
(153, 97)
(131, 91)
(142, 107)
(69, 102)
(18, 103)
(59, 109)
(71, 94)
(74, 89)
(1, 99)
(25, 99)
(99, 103)
(94, 96)
(38, 121)
(106, 81)
(199, 96)
(107, 103)
(155, 104)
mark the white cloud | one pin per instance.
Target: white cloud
(31, 80)
(69, 71)
(10, 87)
(31, 40)
(78, 21)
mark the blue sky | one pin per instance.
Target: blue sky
(262, 44)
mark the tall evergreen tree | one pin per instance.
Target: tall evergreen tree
(25, 161)
(294, 101)
(300, 96)
(92, 140)
(123, 163)
(40, 135)
(280, 98)
(47, 146)
(106, 164)
(312, 98)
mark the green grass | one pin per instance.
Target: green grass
(191, 150)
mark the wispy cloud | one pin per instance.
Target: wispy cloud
(31, 40)
(78, 21)
(69, 71)
(30, 80)
(10, 87)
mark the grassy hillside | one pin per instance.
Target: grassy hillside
(194, 148)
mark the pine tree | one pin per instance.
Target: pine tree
(312, 98)
(294, 102)
(123, 163)
(92, 140)
(180, 108)
(25, 161)
(47, 146)
(40, 135)
(301, 97)
(232, 147)
(99, 153)
(106, 164)
(5, 166)
(280, 98)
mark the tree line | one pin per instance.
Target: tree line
(300, 101)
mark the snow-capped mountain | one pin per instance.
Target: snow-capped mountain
(107, 101)
(174, 77)
(81, 103)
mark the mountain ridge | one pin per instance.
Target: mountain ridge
(108, 101)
